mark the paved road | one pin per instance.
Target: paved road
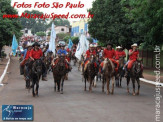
(77, 105)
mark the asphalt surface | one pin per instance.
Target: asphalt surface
(77, 105)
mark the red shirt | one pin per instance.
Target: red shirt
(88, 52)
(109, 53)
(68, 50)
(119, 54)
(36, 54)
(27, 55)
(134, 55)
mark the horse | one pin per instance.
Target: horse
(27, 73)
(59, 72)
(81, 62)
(134, 74)
(36, 75)
(120, 73)
(108, 74)
(48, 60)
(90, 72)
(74, 58)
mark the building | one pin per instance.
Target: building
(26, 32)
(60, 29)
(79, 27)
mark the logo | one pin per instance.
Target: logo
(17, 112)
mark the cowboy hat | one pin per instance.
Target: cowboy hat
(109, 44)
(36, 44)
(91, 45)
(29, 44)
(134, 45)
(118, 47)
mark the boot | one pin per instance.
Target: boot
(21, 70)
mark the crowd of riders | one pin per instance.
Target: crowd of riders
(36, 50)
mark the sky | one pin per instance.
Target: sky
(87, 5)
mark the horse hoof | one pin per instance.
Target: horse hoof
(33, 95)
(112, 92)
(133, 94)
(61, 92)
(85, 90)
(137, 93)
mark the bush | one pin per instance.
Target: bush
(75, 40)
(61, 36)
(41, 33)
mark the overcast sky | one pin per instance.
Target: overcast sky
(87, 5)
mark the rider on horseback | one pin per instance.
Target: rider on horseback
(25, 57)
(62, 52)
(35, 54)
(133, 56)
(89, 52)
(119, 53)
(110, 54)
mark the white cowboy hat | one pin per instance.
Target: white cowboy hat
(29, 44)
(134, 45)
(118, 47)
(91, 45)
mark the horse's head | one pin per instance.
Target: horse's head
(92, 58)
(61, 61)
(121, 61)
(37, 66)
(137, 66)
(108, 66)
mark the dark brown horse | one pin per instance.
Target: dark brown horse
(120, 73)
(134, 74)
(90, 72)
(59, 72)
(36, 75)
(108, 74)
(27, 73)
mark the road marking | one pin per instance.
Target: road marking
(151, 82)
(4, 72)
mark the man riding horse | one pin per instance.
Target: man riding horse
(133, 56)
(35, 54)
(109, 53)
(62, 52)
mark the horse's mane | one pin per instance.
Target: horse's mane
(108, 63)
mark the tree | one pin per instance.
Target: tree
(8, 26)
(148, 21)
(110, 24)
(41, 33)
(62, 35)
(36, 25)
(59, 22)
(75, 40)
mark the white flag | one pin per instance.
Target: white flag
(52, 39)
(82, 47)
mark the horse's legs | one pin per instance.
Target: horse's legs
(138, 81)
(113, 80)
(108, 82)
(133, 83)
(120, 80)
(128, 81)
(103, 85)
(90, 85)
(54, 85)
(37, 86)
(58, 84)
(62, 82)
(85, 85)
(33, 86)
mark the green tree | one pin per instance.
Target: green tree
(8, 26)
(62, 35)
(75, 40)
(41, 33)
(36, 25)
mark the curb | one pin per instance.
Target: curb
(4, 72)
(151, 82)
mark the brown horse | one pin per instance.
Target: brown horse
(108, 74)
(59, 72)
(90, 72)
(120, 73)
(134, 74)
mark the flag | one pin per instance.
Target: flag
(52, 39)
(82, 47)
(70, 44)
(14, 45)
